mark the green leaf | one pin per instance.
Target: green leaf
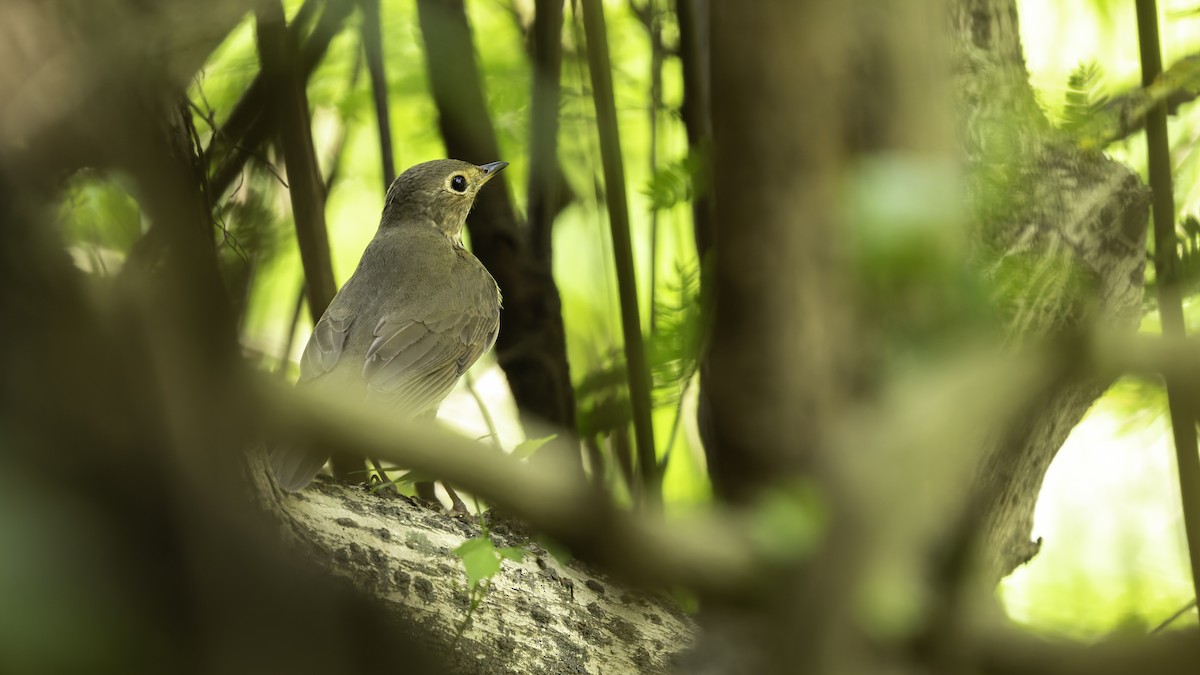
(527, 447)
(677, 182)
(514, 553)
(1084, 106)
(788, 524)
(480, 559)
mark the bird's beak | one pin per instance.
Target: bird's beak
(492, 168)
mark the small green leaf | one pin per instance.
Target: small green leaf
(788, 524)
(527, 447)
(480, 559)
(514, 553)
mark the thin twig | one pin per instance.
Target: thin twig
(1171, 619)
(483, 410)
(218, 131)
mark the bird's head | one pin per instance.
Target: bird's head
(442, 191)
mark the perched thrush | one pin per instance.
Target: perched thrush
(418, 311)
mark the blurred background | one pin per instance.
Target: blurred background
(1114, 554)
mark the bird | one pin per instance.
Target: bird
(418, 311)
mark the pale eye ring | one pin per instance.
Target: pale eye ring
(458, 183)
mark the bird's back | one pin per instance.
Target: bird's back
(418, 311)
(421, 313)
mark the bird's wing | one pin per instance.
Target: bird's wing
(325, 346)
(295, 467)
(413, 363)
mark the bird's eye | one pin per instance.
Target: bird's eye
(458, 183)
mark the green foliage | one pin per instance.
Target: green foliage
(673, 351)
(100, 217)
(787, 524)
(481, 559)
(1085, 102)
(675, 344)
(916, 291)
(678, 182)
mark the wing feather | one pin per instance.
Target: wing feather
(413, 363)
(325, 346)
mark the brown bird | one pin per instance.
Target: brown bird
(417, 313)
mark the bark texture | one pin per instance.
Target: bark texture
(538, 615)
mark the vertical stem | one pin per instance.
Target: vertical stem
(532, 346)
(618, 215)
(307, 189)
(372, 37)
(543, 138)
(288, 107)
(696, 110)
(1180, 395)
(286, 357)
(483, 411)
(656, 61)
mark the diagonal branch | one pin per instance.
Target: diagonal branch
(1128, 113)
(247, 127)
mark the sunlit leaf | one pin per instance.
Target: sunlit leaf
(480, 559)
(527, 447)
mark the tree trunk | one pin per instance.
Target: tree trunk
(1075, 221)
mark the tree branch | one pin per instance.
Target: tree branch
(289, 111)
(1127, 114)
(247, 127)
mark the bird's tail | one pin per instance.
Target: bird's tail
(294, 467)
